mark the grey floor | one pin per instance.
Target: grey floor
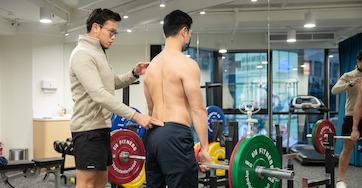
(353, 178)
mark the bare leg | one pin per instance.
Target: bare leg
(344, 158)
(91, 178)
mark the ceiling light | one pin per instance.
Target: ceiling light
(291, 36)
(254, 0)
(330, 56)
(161, 22)
(259, 66)
(45, 15)
(125, 16)
(309, 20)
(222, 51)
(264, 62)
(162, 4)
(202, 12)
(129, 30)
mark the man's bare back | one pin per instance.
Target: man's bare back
(172, 84)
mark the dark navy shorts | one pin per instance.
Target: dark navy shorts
(170, 158)
(347, 126)
(92, 149)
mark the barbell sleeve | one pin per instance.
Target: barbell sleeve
(137, 157)
(261, 171)
(215, 166)
(336, 137)
(346, 137)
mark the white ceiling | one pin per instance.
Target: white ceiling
(343, 18)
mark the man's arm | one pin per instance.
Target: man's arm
(357, 114)
(341, 86)
(191, 85)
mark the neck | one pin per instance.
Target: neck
(173, 43)
(359, 69)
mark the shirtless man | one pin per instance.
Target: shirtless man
(172, 89)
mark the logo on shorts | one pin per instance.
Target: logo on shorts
(91, 167)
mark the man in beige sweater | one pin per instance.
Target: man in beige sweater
(93, 85)
(350, 83)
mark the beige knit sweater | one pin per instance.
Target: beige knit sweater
(93, 85)
(342, 85)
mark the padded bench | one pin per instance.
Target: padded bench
(32, 168)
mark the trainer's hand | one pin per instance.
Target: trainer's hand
(357, 81)
(355, 135)
(146, 121)
(141, 67)
(204, 157)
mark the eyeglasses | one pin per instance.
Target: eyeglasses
(112, 32)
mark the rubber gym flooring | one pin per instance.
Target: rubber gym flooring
(353, 178)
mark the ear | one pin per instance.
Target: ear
(95, 28)
(184, 30)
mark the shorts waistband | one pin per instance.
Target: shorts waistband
(179, 125)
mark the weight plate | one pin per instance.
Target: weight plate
(232, 160)
(255, 150)
(197, 150)
(214, 113)
(112, 132)
(138, 181)
(320, 129)
(196, 144)
(119, 122)
(121, 172)
(216, 152)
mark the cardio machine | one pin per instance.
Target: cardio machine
(249, 107)
(307, 105)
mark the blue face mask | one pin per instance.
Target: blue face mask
(186, 46)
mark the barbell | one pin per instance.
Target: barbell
(320, 134)
(255, 162)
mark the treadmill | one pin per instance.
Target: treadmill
(306, 105)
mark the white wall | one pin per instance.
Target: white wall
(48, 64)
(16, 92)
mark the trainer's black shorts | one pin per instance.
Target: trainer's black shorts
(170, 158)
(347, 126)
(92, 149)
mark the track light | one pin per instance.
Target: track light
(125, 16)
(45, 15)
(309, 20)
(291, 36)
(66, 33)
(162, 4)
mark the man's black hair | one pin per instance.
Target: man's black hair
(175, 21)
(100, 16)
